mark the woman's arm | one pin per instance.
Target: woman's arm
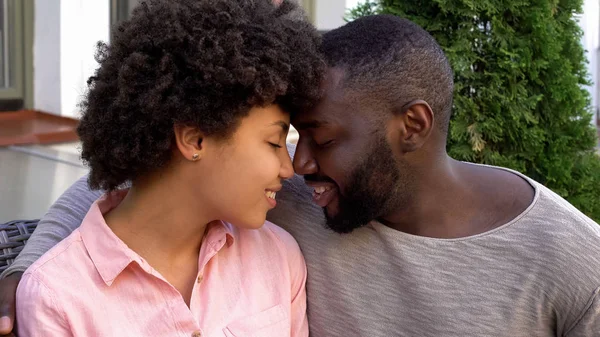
(64, 216)
(38, 312)
(299, 318)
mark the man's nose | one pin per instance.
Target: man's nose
(304, 161)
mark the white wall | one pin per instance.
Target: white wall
(83, 24)
(353, 3)
(64, 46)
(590, 23)
(46, 56)
(329, 14)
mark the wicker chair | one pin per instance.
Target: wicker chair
(13, 237)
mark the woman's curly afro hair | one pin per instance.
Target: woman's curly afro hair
(202, 63)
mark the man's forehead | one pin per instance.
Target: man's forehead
(332, 108)
(308, 123)
(325, 114)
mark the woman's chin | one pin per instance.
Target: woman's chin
(255, 223)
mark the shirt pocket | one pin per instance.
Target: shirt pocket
(272, 322)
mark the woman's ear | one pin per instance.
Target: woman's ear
(189, 142)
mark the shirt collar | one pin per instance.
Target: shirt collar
(218, 231)
(111, 256)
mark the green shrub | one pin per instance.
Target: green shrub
(520, 101)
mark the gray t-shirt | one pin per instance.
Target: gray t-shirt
(538, 275)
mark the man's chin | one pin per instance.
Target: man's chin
(340, 223)
(345, 215)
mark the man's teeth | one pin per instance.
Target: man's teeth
(271, 194)
(321, 189)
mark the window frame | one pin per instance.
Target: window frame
(119, 11)
(15, 51)
(20, 54)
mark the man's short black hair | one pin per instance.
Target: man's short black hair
(202, 63)
(394, 59)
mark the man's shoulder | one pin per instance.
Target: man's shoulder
(553, 220)
(562, 219)
(566, 243)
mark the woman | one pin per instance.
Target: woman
(191, 104)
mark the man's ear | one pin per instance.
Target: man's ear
(189, 142)
(410, 127)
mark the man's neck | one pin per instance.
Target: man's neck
(453, 199)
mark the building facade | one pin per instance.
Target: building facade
(47, 47)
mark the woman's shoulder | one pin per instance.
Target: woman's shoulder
(58, 258)
(286, 239)
(56, 272)
(270, 238)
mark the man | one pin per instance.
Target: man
(433, 246)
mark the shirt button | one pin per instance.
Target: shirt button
(200, 278)
(197, 334)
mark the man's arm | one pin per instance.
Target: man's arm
(63, 217)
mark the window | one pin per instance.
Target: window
(16, 57)
(4, 57)
(11, 55)
(121, 9)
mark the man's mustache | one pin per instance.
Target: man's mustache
(317, 179)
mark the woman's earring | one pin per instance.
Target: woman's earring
(195, 157)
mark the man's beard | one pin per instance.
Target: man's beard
(371, 192)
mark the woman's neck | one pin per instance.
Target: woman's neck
(159, 224)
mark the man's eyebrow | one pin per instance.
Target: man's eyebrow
(309, 125)
(284, 126)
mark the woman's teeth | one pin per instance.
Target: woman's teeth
(271, 194)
